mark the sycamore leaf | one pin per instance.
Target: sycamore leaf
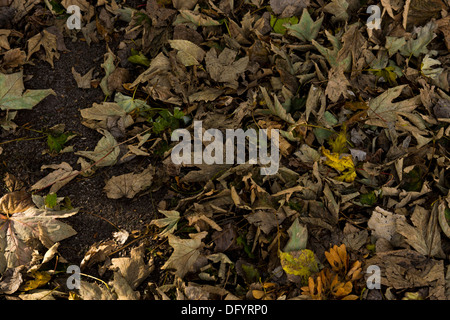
(332, 55)
(382, 110)
(419, 45)
(170, 222)
(128, 104)
(83, 82)
(198, 20)
(57, 179)
(101, 111)
(134, 269)
(109, 66)
(224, 68)
(24, 225)
(306, 29)
(129, 184)
(425, 235)
(185, 253)
(12, 95)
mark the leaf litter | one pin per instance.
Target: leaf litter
(363, 180)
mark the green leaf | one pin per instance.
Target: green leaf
(418, 46)
(51, 200)
(138, 57)
(129, 103)
(369, 198)
(278, 24)
(299, 263)
(298, 237)
(306, 29)
(12, 96)
(56, 142)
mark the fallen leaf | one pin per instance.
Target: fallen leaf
(12, 95)
(105, 152)
(46, 40)
(62, 174)
(298, 237)
(19, 229)
(185, 253)
(129, 184)
(83, 82)
(133, 269)
(382, 109)
(424, 236)
(170, 222)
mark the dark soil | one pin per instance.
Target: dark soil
(99, 216)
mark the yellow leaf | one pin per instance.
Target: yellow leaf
(339, 145)
(343, 164)
(299, 263)
(40, 279)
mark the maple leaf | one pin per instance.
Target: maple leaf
(12, 96)
(185, 253)
(306, 29)
(344, 164)
(22, 225)
(46, 40)
(170, 222)
(425, 235)
(129, 184)
(382, 110)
